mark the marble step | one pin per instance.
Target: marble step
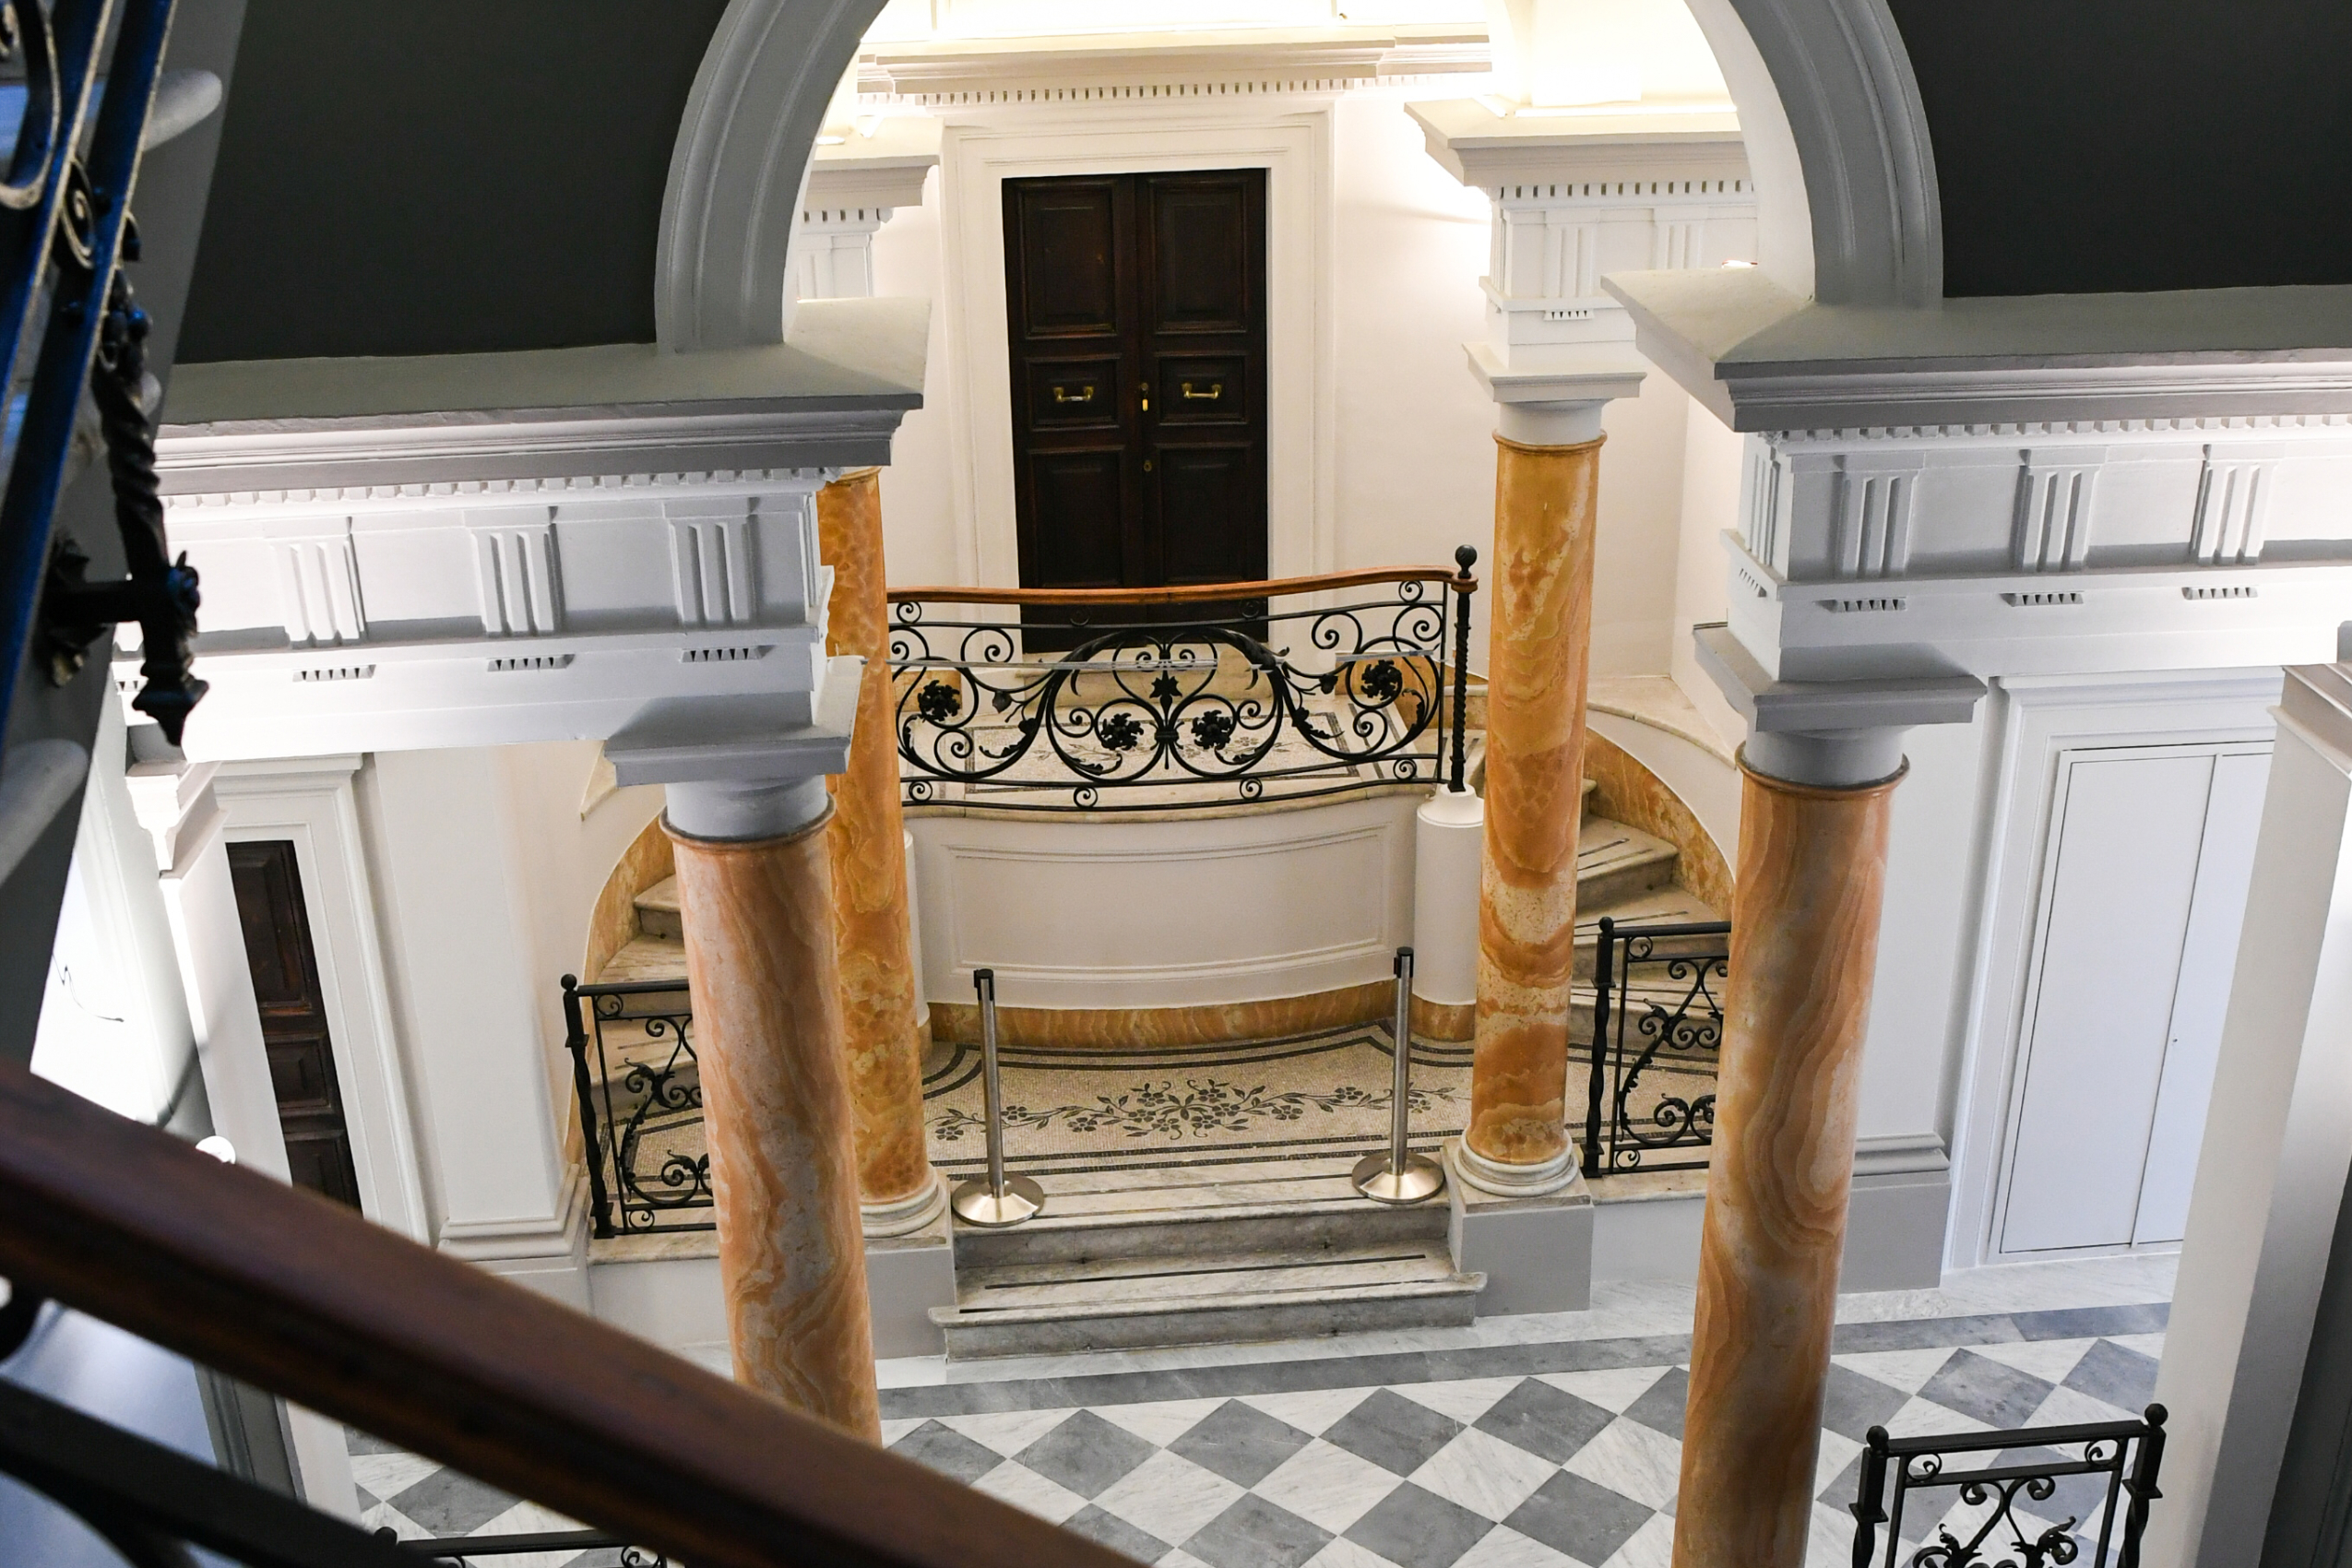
(1051, 1309)
(1615, 863)
(658, 911)
(1297, 1206)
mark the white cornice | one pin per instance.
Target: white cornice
(1764, 360)
(830, 397)
(882, 169)
(1115, 66)
(1484, 148)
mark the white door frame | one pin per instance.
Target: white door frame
(309, 801)
(1290, 135)
(2036, 720)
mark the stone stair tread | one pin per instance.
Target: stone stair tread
(662, 896)
(1661, 905)
(1127, 1287)
(646, 958)
(1603, 845)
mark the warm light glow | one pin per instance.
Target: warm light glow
(219, 1149)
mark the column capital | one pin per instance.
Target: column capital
(1554, 398)
(743, 767)
(1836, 734)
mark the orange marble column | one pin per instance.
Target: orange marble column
(776, 1105)
(1804, 947)
(1539, 647)
(880, 1039)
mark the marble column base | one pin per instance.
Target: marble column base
(1513, 1180)
(1537, 1252)
(907, 1276)
(904, 1217)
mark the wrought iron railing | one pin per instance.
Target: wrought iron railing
(1306, 686)
(2054, 1499)
(1657, 1036)
(640, 1094)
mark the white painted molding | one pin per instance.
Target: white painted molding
(1762, 358)
(1843, 96)
(738, 170)
(830, 396)
(2043, 550)
(2033, 721)
(1119, 66)
(311, 802)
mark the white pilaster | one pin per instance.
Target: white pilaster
(2277, 1147)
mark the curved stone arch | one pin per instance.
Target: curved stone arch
(738, 167)
(1839, 139)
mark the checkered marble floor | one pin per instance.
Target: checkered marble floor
(1518, 1443)
(1508, 1456)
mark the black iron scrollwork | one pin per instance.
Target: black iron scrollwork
(2002, 1507)
(1665, 981)
(1318, 699)
(639, 1088)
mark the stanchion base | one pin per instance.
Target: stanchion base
(1421, 1177)
(975, 1205)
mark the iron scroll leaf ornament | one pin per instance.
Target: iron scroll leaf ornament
(1691, 1027)
(647, 1100)
(1160, 703)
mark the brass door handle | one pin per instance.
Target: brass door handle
(1215, 390)
(1062, 395)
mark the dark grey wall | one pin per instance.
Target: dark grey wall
(443, 176)
(2085, 146)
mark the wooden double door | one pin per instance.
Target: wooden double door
(1137, 312)
(279, 951)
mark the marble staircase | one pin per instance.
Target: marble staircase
(1204, 1253)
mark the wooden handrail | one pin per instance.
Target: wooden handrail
(292, 1293)
(1202, 593)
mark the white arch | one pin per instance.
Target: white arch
(1838, 141)
(739, 166)
(1837, 136)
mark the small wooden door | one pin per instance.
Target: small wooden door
(293, 1018)
(1137, 312)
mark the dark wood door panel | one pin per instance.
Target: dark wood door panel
(284, 964)
(1075, 395)
(1209, 497)
(1068, 235)
(1202, 390)
(1136, 305)
(1072, 496)
(1206, 254)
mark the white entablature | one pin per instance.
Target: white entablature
(495, 548)
(2150, 482)
(1577, 196)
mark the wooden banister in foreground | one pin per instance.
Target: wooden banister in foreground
(302, 1296)
(1202, 593)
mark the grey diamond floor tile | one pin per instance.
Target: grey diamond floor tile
(2085, 1323)
(1239, 1443)
(1852, 1404)
(1582, 1518)
(1544, 1420)
(1840, 1494)
(1085, 1453)
(1253, 1533)
(1116, 1533)
(948, 1451)
(1393, 1432)
(1661, 1408)
(2124, 1378)
(1978, 1386)
(449, 1504)
(1418, 1528)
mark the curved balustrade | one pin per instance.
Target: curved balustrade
(1338, 689)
